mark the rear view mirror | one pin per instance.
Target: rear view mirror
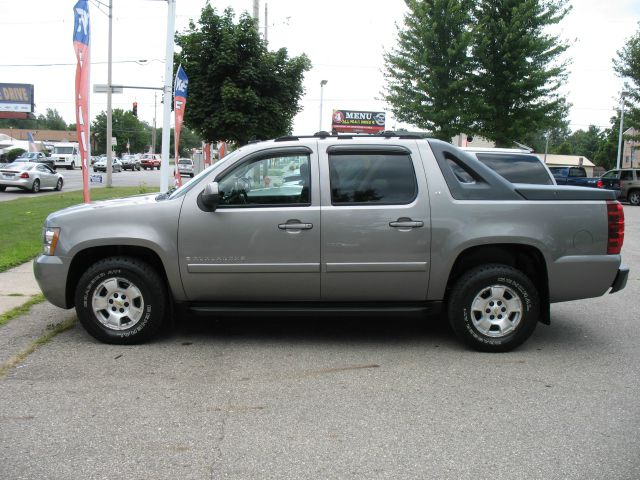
(208, 200)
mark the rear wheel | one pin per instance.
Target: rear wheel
(121, 300)
(35, 188)
(3, 188)
(494, 308)
(634, 197)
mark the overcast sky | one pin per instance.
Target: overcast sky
(345, 40)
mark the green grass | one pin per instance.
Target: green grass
(22, 220)
(20, 310)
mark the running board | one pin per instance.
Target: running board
(315, 308)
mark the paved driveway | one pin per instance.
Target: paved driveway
(332, 398)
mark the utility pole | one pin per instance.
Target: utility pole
(256, 13)
(168, 82)
(620, 144)
(155, 112)
(546, 148)
(109, 113)
(266, 26)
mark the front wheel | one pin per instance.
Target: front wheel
(59, 184)
(634, 197)
(121, 300)
(494, 308)
(72, 166)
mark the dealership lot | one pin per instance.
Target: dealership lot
(312, 397)
(73, 181)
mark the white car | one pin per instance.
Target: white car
(101, 165)
(185, 166)
(30, 176)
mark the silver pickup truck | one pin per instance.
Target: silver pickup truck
(337, 224)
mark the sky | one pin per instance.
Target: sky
(344, 39)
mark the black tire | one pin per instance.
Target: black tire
(477, 330)
(72, 166)
(634, 197)
(35, 188)
(158, 167)
(59, 184)
(191, 175)
(3, 188)
(152, 300)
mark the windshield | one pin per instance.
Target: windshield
(195, 180)
(20, 166)
(29, 155)
(183, 161)
(63, 150)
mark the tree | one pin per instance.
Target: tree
(53, 120)
(627, 66)
(238, 90)
(188, 140)
(607, 153)
(126, 128)
(428, 73)
(517, 71)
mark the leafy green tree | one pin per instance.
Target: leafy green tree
(188, 140)
(125, 127)
(238, 90)
(12, 154)
(627, 66)
(428, 74)
(607, 153)
(53, 120)
(517, 68)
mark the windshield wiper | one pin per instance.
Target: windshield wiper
(165, 195)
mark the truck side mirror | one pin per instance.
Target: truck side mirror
(209, 199)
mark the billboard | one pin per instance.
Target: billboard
(355, 121)
(16, 97)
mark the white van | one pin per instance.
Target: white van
(66, 154)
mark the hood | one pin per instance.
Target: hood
(97, 207)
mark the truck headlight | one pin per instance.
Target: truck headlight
(51, 235)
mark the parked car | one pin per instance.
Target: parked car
(130, 162)
(376, 223)
(30, 176)
(101, 165)
(185, 166)
(150, 160)
(517, 166)
(629, 179)
(37, 157)
(578, 176)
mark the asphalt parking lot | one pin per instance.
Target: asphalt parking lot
(331, 398)
(73, 181)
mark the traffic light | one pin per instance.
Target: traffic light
(135, 109)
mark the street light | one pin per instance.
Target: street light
(620, 144)
(322, 84)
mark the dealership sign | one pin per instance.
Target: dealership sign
(16, 97)
(352, 121)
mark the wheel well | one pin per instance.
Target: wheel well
(83, 259)
(529, 260)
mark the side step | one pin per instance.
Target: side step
(291, 309)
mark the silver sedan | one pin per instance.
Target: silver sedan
(29, 176)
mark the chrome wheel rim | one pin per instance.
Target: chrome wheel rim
(117, 303)
(496, 311)
(634, 198)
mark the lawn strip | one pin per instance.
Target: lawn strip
(21, 309)
(45, 338)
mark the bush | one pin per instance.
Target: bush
(12, 154)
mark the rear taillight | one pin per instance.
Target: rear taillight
(600, 184)
(24, 175)
(615, 217)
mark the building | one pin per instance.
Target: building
(554, 160)
(630, 154)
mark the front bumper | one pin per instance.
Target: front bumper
(621, 280)
(50, 272)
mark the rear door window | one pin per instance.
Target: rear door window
(372, 178)
(517, 168)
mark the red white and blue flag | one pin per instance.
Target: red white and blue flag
(32, 143)
(81, 47)
(179, 105)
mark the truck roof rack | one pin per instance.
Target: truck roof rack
(323, 134)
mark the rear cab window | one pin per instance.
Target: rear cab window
(517, 168)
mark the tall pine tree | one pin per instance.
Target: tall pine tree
(428, 73)
(517, 68)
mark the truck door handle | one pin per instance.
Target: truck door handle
(295, 225)
(406, 223)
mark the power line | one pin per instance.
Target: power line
(72, 64)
